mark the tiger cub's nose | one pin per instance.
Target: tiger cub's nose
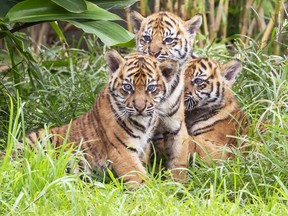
(155, 54)
(140, 108)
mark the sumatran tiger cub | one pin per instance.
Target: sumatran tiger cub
(165, 35)
(123, 118)
(212, 114)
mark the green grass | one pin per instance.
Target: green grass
(255, 183)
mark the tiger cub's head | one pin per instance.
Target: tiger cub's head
(165, 35)
(138, 83)
(207, 81)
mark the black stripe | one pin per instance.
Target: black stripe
(185, 45)
(168, 23)
(209, 126)
(209, 63)
(131, 74)
(206, 93)
(122, 124)
(37, 134)
(130, 63)
(201, 129)
(151, 21)
(31, 140)
(203, 116)
(137, 125)
(218, 98)
(133, 68)
(172, 20)
(203, 65)
(90, 119)
(115, 147)
(150, 120)
(173, 44)
(169, 30)
(51, 140)
(175, 107)
(149, 63)
(200, 71)
(164, 92)
(178, 51)
(175, 84)
(202, 132)
(218, 89)
(113, 85)
(130, 148)
(150, 71)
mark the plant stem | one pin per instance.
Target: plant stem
(18, 28)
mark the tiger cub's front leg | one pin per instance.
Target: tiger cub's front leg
(176, 149)
(126, 163)
(172, 125)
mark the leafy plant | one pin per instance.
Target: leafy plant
(31, 12)
(80, 13)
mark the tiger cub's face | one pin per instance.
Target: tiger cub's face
(138, 83)
(165, 35)
(206, 82)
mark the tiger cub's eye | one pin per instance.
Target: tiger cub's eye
(198, 81)
(151, 88)
(127, 87)
(146, 38)
(168, 40)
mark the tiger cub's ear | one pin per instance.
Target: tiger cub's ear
(230, 70)
(114, 60)
(194, 24)
(135, 19)
(169, 68)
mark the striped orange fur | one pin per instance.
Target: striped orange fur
(212, 114)
(165, 35)
(124, 117)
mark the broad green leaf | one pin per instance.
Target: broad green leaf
(6, 5)
(130, 44)
(111, 34)
(45, 10)
(115, 4)
(74, 6)
(58, 31)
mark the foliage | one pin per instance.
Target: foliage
(33, 12)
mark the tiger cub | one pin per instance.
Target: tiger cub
(165, 35)
(212, 114)
(123, 118)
